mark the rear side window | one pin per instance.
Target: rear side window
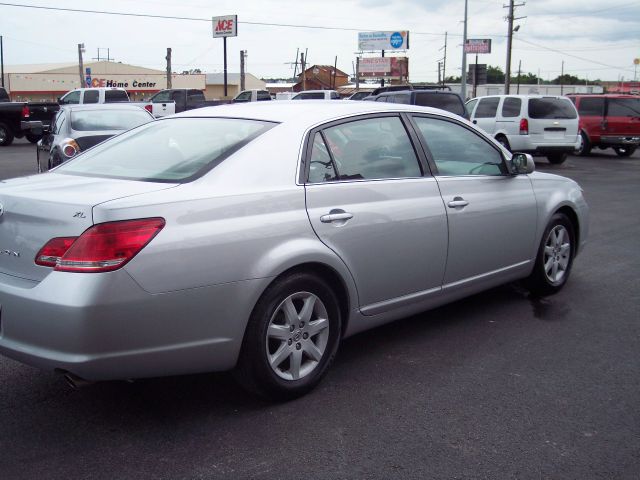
(550, 107)
(511, 107)
(591, 106)
(624, 107)
(91, 96)
(335, 96)
(381, 99)
(321, 167)
(373, 148)
(487, 107)
(444, 101)
(263, 95)
(402, 99)
(111, 96)
(175, 150)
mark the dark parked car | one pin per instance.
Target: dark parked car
(177, 100)
(608, 121)
(23, 119)
(435, 98)
(77, 128)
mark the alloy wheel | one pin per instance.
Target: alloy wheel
(557, 254)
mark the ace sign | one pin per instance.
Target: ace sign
(226, 26)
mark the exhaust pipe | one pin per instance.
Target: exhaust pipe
(75, 381)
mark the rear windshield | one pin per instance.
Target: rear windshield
(552, 108)
(172, 150)
(624, 107)
(93, 120)
(444, 101)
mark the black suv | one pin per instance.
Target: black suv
(442, 99)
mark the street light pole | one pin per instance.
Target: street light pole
(463, 77)
(80, 64)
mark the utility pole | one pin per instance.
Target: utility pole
(562, 79)
(463, 77)
(1, 62)
(439, 78)
(519, 66)
(382, 81)
(357, 73)
(81, 64)
(335, 71)
(444, 61)
(243, 53)
(510, 19)
(304, 72)
(168, 59)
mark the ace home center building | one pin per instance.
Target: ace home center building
(47, 82)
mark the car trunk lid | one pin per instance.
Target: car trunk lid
(39, 208)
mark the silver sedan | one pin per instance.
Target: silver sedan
(255, 237)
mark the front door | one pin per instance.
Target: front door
(492, 214)
(370, 202)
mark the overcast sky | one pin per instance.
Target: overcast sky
(596, 39)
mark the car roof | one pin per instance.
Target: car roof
(309, 112)
(102, 106)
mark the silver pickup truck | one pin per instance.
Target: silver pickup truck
(113, 95)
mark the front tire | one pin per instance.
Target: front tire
(555, 257)
(625, 151)
(585, 145)
(291, 338)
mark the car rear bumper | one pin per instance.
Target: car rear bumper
(526, 144)
(106, 327)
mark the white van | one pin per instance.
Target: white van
(536, 124)
(317, 95)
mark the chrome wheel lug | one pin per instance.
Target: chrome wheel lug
(290, 341)
(305, 335)
(301, 324)
(292, 328)
(298, 346)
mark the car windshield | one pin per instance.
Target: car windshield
(172, 150)
(552, 108)
(95, 120)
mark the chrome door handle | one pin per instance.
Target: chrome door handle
(458, 202)
(335, 217)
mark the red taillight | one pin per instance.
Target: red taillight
(149, 108)
(524, 126)
(55, 248)
(107, 246)
(25, 111)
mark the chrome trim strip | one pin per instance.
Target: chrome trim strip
(484, 275)
(386, 305)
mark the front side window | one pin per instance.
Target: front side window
(487, 107)
(71, 98)
(370, 149)
(243, 97)
(96, 120)
(172, 150)
(457, 151)
(511, 107)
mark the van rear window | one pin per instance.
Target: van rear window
(551, 107)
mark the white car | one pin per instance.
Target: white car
(536, 124)
(317, 95)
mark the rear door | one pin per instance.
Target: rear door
(485, 114)
(508, 120)
(552, 120)
(591, 110)
(369, 201)
(492, 216)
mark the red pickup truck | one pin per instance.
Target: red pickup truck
(608, 121)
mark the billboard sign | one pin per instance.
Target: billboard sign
(398, 40)
(478, 45)
(384, 67)
(226, 26)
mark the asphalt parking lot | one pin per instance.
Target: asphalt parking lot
(497, 386)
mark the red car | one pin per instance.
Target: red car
(608, 121)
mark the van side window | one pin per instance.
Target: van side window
(591, 106)
(511, 107)
(487, 107)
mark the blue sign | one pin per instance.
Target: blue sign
(87, 71)
(396, 40)
(88, 81)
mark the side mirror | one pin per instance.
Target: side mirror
(522, 163)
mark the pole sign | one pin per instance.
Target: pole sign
(398, 40)
(384, 67)
(478, 45)
(226, 26)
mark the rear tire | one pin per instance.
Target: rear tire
(6, 136)
(625, 151)
(555, 257)
(557, 158)
(585, 145)
(291, 338)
